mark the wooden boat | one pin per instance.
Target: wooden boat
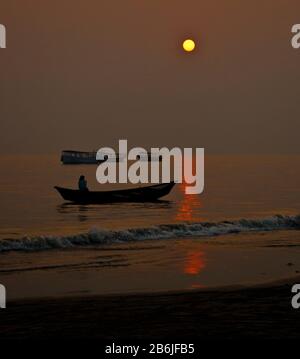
(142, 194)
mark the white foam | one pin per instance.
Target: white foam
(97, 237)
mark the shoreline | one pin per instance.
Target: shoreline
(259, 311)
(171, 266)
(291, 280)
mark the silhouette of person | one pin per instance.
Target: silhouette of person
(82, 184)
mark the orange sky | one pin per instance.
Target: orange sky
(83, 74)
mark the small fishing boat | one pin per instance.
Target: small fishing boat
(142, 194)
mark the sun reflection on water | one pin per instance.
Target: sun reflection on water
(194, 263)
(189, 207)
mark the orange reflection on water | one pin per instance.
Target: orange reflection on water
(194, 263)
(189, 206)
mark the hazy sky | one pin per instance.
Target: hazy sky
(83, 74)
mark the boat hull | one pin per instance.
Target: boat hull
(143, 194)
(90, 158)
(82, 158)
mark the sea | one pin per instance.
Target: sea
(243, 229)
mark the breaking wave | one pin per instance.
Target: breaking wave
(98, 237)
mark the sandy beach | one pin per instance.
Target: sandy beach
(257, 312)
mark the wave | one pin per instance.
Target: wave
(97, 237)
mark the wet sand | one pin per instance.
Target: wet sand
(260, 312)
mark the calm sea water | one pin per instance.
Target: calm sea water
(50, 248)
(235, 187)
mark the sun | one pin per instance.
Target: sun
(189, 45)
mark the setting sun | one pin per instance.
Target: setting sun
(189, 45)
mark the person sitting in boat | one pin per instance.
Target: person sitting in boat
(82, 184)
